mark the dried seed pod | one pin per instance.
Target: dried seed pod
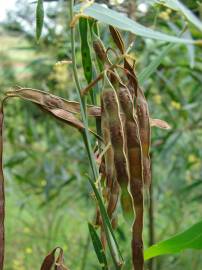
(113, 199)
(60, 108)
(112, 186)
(117, 39)
(159, 123)
(135, 165)
(111, 106)
(100, 50)
(51, 101)
(145, 134)
(50, 261)
(142, 111)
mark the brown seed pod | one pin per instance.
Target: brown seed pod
(112, 186)
(112, 109)
(51, 101)
(100, 50)
(143, 118)
(135, 165)
(117, 39)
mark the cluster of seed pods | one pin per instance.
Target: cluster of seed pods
(126, 130)
(125, 127)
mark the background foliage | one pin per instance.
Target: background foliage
(49, 200)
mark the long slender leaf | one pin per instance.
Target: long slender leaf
(98, 247)
(39, 18)
(189, 239)
(85, 49)
(116, 19)
(148, 71)
(108, 227)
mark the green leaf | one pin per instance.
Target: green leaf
(116, 255)
(98, 247)
(178, 6)
(192, 186)
(39, 18)
(116, 19)
(189, 239)
(149, 70)
(85, 49)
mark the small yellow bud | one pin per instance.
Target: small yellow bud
(28, 250)
(157, 99)
(176, 105)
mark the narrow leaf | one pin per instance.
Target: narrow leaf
(116, 19)
(39, 18)
(189, 239)
(108, 227)
(85, 49)
(149, 70)
(98, 247)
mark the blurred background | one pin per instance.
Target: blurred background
(48, 198)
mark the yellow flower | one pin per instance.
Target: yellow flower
(43, 183)
(164, 15)
(16, 262)
(192, 158)
(26, 230)
(157, 99)
(28, 250)
(176, 105)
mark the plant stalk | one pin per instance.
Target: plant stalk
(86, 135)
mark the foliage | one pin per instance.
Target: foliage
(174, 93)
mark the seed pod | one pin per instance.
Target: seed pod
(50, 261)
(100, 50)
(136, 167)
(117, 39)
(145, 134)
(51, 101)
(111, 106)
(112, 186)
(113, 199)
(142, 111)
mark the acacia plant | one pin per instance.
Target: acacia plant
(118, 147)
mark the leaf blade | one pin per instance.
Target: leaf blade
(98, 247)
(39, 19)
(189, 239)
(116, 19)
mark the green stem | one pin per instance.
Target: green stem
(82, 101)
(86, 135)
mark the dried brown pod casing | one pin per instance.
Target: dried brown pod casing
(51, 101)
(50, 261)
(100, 50)
(61, 109)
(112, 186)
(111, 106)
(135, 161)
(117, 39)
(142, 111)
(145, 134)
